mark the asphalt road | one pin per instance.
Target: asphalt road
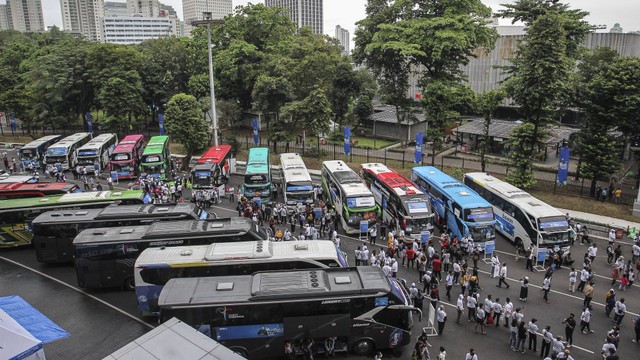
(102, 321)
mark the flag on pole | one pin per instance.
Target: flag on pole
(89, 122)
(563, 165)
(418, 153)
(347, 140)
(255, 131)
(161, 123)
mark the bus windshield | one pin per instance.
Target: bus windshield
(417, 225)
(202, 178)
(122, 167)
(27, 154)
(482, 233)
(256, 179)
(152, 158)
(360, 202)
(553, 223)
(88, 160)
(480, 214)
(56, 151)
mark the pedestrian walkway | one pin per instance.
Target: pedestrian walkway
(601, 220)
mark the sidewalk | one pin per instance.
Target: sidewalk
(601, 220)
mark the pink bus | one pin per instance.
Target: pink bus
(125, 158)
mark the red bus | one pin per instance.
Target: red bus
(402, 202)
(27, 190)
(212, 168)
(125, 158)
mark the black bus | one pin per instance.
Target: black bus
(54, 231)
(105, 257)
(256, 315)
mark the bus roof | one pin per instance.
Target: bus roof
(74, 198)
(43, 140)
(273, 286)
(453, 188)
(128, 212)
(244, 250)
(258, 161)
(71, 139)
(165, 229)
(127, 143)
(392, 179)
(349, 181)
(155, 145)
(97, 141)
(54, 186)
(215, 154)
(293, 168)
(516, 195)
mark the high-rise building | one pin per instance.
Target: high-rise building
(22, 15)
(136, 29)
(302, 12)
(147, 8)
(84, 17)
(193, 10)
(342, 35)
(114, 8)
(5, 22)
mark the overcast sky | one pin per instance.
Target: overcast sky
(346, 12)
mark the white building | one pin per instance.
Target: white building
(146, 8)
(84, 17)
(136, 29)
(22, 15)
(302, 12)
(342, 35)
(193, 10)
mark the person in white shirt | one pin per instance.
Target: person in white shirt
(585, 319)
(471, 355)
(364, 255)
(394, 268)
(592, 251)
(488, 305)
(497, 312)
(471, 306)
(443, 354)
(503, 276)
(635, 251)
(532, 327)
(459, 307)
(620, 309)
(547, 340)
(441, 317)
(387, 270)
(508, 311)
(612, 236)
(546, 287)
(558, 346)
(449, 284)
(573, 277)
(495, 265)
(584, 277)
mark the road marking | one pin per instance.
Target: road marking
(79, 291)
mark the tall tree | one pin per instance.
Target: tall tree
(270, 94)
(312, 112)
(519, 146)
(185, 123)
(122, 100)
(486, 104)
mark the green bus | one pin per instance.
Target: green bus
(156, 158)
(16, 214)
(257, 178)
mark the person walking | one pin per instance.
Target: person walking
(502, 276)
(636, 327)
(573, 277)
(480, 319)
(547, 340)
(373, 234)
(585, 319)
(546, 287)
(471, 355)
(524, 288)
(620, 309)
(441, 317)
(532, 328)
(609, 302)
(497, 312)
(569, 327)
(588, 294)
(449, 284)
(459, 307)
(585, 275)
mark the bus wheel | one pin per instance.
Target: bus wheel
(129, 284)
(240, 351)
(363, 347)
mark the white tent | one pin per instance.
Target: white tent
(16, 343)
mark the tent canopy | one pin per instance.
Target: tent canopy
(32, 320)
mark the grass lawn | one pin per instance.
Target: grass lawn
(20, 139)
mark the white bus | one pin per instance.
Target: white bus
(155, 266)
(65, 152)
(296, 181)
(97, 152)
(33, 152)
(521, 218)
(349, 196)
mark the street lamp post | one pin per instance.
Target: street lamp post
(214, 117)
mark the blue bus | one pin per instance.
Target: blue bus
(456, 206)
(257, 177)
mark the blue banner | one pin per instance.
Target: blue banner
(12, 120)
(161, 123)
(90, 122)
(255, 131)
(419, 141)
(347, 140)
(249, 331)
(563, 165)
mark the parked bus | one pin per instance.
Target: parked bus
(348, 195)
(212, 169)
(155, 266)
(456, 206)
(27, 190)
(257, 178)
(54, 231)
(34, 152)
(97, 152)
(255, 315)
(104, 257)
(125, 158)
(64, 153)
(156, 158)
(22, 179)
(16, 214)
(297, 187)
(521, 218)
(402, 203)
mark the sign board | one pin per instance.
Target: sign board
(489, 246)
(364, 226)
(541, 255)
(424, 236)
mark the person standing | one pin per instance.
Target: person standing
(373, 233)
(497, 312)
(502, 275)
(449, 284)
(585, 275)
(585, 319)
(530, 254)
(459, 307)
(508, 311)
(471, 307)
(524, 288)
(546, 286)
(592, 251)
(573, 277)
(569, 327)
(441, 317)
(620, 309)
(471, 355)
(547, 340)
(480, 315)
(636, 327)
(532, 328)
(588, 294)
(522, 336)
(110, 182)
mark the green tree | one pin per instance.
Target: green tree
(122, 100)
(270, 94)
(599, 153)
(314, 112)
(186, 125)
(519, 146)
(363, 108)
(486, 104)
(345, 88)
